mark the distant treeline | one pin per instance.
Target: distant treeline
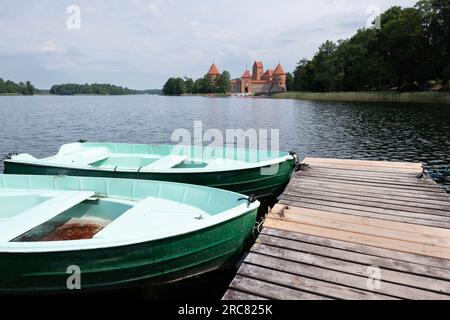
(206, 85)
(411, 51)
(10, 87)
(69, 89)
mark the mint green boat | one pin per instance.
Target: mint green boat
(257, 172)
(115, 232)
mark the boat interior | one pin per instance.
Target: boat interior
(123, 209)
(146, 158)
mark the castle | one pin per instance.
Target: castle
(259, 82)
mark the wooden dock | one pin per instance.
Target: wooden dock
(347, 229)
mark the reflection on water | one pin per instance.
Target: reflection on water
(398, 132)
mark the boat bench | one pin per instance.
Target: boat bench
(83, 158)
(164, 163)
(37, 215)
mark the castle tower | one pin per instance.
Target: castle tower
(246, 82)
(213, 71)
(279, 79)
(258, 70)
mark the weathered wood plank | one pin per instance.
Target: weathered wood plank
(435, 221)
(363, 202)
(443, 264)
(324, 288)
(365, 239)
(238, 295)
(364, 163)
(407, 202)
(435, 215)
(352, 267)
(415, 238)
(424, 232)
(331, 185)
(341, 278)
(270, 291)
(369, 259)
(396, 186)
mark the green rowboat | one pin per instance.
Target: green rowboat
(257, 172)
(114, 232)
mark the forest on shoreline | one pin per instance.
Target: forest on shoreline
(408, 51)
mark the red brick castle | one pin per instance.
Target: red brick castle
(259, 82)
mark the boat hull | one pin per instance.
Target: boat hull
(248, 181)
(150, 263)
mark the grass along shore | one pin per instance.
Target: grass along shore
(422, 97)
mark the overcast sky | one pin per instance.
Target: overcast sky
(140, 43)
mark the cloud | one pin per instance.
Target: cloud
(140, 43)
(47, 46)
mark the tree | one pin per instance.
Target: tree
(3, 88)
(189, 84)
(222, 83)
(174, 87)
(289, 82)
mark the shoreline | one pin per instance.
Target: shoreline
(382, 96)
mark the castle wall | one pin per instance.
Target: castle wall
(261, 87)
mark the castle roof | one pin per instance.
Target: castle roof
(268, 73)
(246, 74)
(279, 71)
(213, 71)
(259, 64)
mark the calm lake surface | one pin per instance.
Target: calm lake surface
(398, 132)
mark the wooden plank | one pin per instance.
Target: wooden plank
(396, 226)
(238, 295)
(364, 163)
(397, 186)
(408, 202)
(298, 282)
(270, 291)
(360, 170)
(371, 240)
(364, 202)
(368, 178)
(341, 278)
(436, 221)
(369, 229)
(332, 185)
(436, 215)
(363, 172)
(367, 168)
(369, 259)
(439, 264)
(337, 264)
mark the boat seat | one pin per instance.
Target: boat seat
(37, 215)
(83, 158)
(164, 163)
(152, 216)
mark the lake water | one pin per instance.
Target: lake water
(398, 132)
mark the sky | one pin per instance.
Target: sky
(141, 43)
